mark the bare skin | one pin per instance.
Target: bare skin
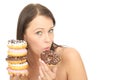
(39, 36)
(70, 67)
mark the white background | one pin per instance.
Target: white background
(90, 26)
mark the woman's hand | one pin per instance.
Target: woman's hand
(45, 72)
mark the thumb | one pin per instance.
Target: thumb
(54, 69)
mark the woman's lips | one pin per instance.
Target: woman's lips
(46, 48)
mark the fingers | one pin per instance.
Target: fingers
(54, 69)
(19, 73)
(15, 77)
(47, 72)
(41, 73)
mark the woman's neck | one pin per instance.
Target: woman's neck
(33, 69)
(32, 58)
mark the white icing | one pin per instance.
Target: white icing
(23, 64)
(16, 42)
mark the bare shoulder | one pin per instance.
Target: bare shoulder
(73, 64)
(70, 54)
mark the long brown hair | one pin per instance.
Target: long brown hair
(28, 13)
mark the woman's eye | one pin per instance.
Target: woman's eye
(39, 32)
(51, 30)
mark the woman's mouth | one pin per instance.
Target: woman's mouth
(46, 48)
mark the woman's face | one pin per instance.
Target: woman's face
(39, 34)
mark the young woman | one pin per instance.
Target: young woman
(36, 26)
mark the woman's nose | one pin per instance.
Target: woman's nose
(47, 38)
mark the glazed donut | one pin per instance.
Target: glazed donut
(50, 58)
(17, 44)
(21, 66)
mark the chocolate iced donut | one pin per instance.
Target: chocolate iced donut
(50, 58)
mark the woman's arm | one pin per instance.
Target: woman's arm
(74, 65)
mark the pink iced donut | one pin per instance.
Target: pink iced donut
(17, 72)
(17, 52)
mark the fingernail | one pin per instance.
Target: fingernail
(17, 74)
(42, 61)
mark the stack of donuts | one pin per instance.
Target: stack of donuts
(17, 57)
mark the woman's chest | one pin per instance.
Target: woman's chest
(61, 74)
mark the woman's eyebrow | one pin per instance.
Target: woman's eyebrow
(43, 28)
(52, 27)
(38, 29)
